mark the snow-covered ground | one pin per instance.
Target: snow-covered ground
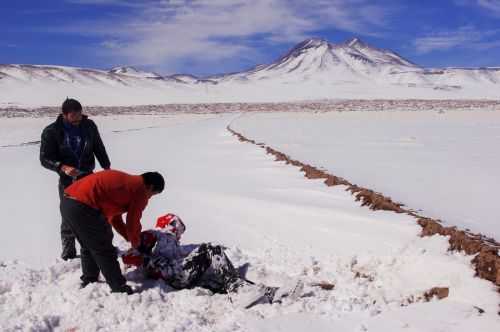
(445, 164)
(265, 212)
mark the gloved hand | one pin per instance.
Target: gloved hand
(133, 257)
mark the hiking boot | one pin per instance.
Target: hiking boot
(69, 256)
(85, 282)
(68, 249)
(124, 289)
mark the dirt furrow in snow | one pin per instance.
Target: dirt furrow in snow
(487, 260)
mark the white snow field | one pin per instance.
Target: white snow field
(267, 214)
(444, 164)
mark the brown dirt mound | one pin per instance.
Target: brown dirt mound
(487, 261)
(433, 293)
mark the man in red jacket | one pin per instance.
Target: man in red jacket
(91, 205)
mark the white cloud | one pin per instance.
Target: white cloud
(491, 7)
(167, 32)
(466, 37)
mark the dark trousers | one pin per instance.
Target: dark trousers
(67, 236)
(95, 236)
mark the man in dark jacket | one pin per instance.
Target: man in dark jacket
(68, 147)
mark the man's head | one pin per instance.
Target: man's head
(72, 111)
(154, 182)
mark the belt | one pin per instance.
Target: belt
(81, 203)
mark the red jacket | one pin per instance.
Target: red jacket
(114, 193)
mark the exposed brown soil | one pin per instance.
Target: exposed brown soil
(486, 262)
(321, 106)
(439, 292)
(433, 293)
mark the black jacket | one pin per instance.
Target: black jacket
(54, 153)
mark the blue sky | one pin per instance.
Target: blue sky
(205, 37)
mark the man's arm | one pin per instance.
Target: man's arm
(49, 151)
(134, 215)
(119, 225)
(99, 149)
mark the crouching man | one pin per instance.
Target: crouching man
(91, 205)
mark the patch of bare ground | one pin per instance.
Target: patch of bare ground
(486, 261)
(433, 293)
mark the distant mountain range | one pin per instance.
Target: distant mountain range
(314, 69)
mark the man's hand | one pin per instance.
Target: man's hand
(133, 257)
(70, 171)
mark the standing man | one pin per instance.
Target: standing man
(68, 147)
(91, 205)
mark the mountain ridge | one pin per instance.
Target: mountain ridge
(312, 69)
(355, 43)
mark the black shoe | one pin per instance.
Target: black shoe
(124, 289)
(68, 256)
(86, 282)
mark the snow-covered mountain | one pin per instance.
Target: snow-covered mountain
(352, 60)
(185, 78)
(38, 73)
(314, 69)
(191, 79)
(133, 72)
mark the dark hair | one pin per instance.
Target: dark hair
(71, 105)
(155, 180)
